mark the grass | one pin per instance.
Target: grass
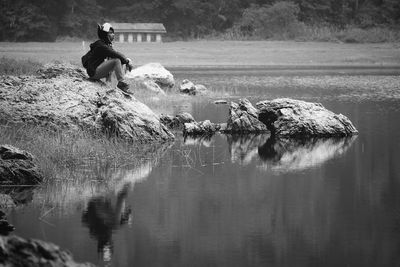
(58, 151)
(11, 66)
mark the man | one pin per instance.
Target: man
(95, 61)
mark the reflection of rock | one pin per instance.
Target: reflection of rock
(17, 167)
(243, 118)
(17, 251)
(295, 118)
(294, 155)
(245, 147)
(204, 140)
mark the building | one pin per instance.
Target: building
(138, 32)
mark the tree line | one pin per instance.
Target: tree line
(45, 20)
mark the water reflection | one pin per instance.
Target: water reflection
(286, 154)
(295, 155)
(103, 216)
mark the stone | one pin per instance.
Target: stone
(200, 128)
(187, 87)
(17, 167)
(243, 118)
(61, 97)
(155, 72)
(178, 121)
(17, 251)
(295, 118)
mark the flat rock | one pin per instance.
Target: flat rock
(61, 97)
(295, 118)
(200, 128)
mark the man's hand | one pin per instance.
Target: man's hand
(129, 65)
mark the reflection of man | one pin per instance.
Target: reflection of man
(102, 217)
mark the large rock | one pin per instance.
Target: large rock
(17, 167)
(243, 118)
(17, 251)
(155, 72)
(295, 118)
(62, 97)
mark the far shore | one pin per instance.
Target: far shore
(230, 55)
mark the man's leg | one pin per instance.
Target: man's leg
(104, 69)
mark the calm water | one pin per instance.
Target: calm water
(243, 200)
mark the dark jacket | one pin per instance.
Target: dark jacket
(100, 50)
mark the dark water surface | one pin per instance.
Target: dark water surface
(245, 200)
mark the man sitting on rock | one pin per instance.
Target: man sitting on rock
(95, 61)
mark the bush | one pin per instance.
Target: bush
(372, 35)
(278, 21)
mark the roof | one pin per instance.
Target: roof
(139, 27)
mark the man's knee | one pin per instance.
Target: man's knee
(115, 61)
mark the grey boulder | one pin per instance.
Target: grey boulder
(286, 117)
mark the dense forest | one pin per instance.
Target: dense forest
(48, 20)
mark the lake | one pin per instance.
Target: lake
(242, 200)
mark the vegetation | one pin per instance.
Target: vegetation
(11, 66)
(48, 20)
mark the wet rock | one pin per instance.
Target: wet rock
(178, 121)
(295, 118)
(62, 98)
(154, 72)
(200, 128)
(243, 118)
(17, 167)
(5, 226)
(17, 251)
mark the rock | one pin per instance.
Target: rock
(187, 87)
(62, 98)
(295, 118)
(155, 72)
(17, 251)
(6, 202)
(178, 121)
(243, 118)
(17, 167)
(153, 86)
(200, 128)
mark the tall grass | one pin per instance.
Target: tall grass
(57, 151)
(11, 66)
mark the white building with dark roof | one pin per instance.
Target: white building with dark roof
(138, 32)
